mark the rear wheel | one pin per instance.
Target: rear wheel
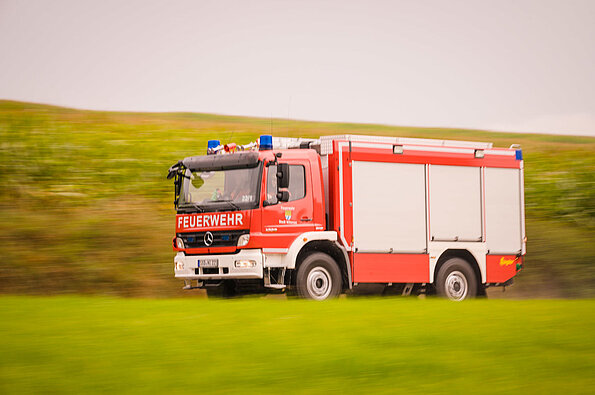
(456, 280)
(318, 277)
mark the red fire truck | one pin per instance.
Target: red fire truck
(317, 217)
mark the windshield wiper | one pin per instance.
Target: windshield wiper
(231, 203)
(195, 205)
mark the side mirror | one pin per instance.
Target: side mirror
(282, 175)
(283, 196)
(175, 169)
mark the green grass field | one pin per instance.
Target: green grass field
(409, 345)
(85, 206)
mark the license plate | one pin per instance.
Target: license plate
(208, 263)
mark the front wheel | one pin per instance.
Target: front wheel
(318, 277)
(456, 280)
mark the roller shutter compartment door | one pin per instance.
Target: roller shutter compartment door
(503, 210)
(455, 203)
(389, 207)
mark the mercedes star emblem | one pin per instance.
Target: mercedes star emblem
(208, 239)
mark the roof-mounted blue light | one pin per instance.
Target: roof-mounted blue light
(211, 145)
(266, 142)
(519, 154)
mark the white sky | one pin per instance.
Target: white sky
(503, 65)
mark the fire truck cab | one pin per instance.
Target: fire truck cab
(317, 217)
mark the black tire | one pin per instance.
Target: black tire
(456, 280)
(318, 277)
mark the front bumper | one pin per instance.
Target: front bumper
(186, 266)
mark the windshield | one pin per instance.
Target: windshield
(220, 190)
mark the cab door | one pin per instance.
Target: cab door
(282, 222)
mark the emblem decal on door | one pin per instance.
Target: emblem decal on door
(287, 214)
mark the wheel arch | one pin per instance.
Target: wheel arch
(332, 249)
(459, 253)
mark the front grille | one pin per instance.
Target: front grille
(224, 238)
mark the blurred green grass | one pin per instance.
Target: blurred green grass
(85, 206)
(387, 345)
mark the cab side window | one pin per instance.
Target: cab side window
(297, 183)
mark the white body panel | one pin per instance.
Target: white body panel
(522, 185)
(455, 203)
(478, 250)
(389, 215)
(286, 257)
(185, 265)
(503, 210)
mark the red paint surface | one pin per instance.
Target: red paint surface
(297, 216)
(394, 268)
(269, 227)
(434, 158)
(266, 230)
(212, 221)
(501, 268)
(384, 153)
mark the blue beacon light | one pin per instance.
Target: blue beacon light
(211, 145)
(266, 142)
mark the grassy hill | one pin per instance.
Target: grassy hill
(394, 345)
(85, 206)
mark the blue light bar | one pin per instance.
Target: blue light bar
(266, 142)
(211, 145)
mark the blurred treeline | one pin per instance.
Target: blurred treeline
(85, 206)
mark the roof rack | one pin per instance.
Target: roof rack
(326, 142)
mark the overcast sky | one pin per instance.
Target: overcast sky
(501, 65)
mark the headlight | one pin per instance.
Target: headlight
(245, 263)
(180, 242)
(179, 265)
(243, 240)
